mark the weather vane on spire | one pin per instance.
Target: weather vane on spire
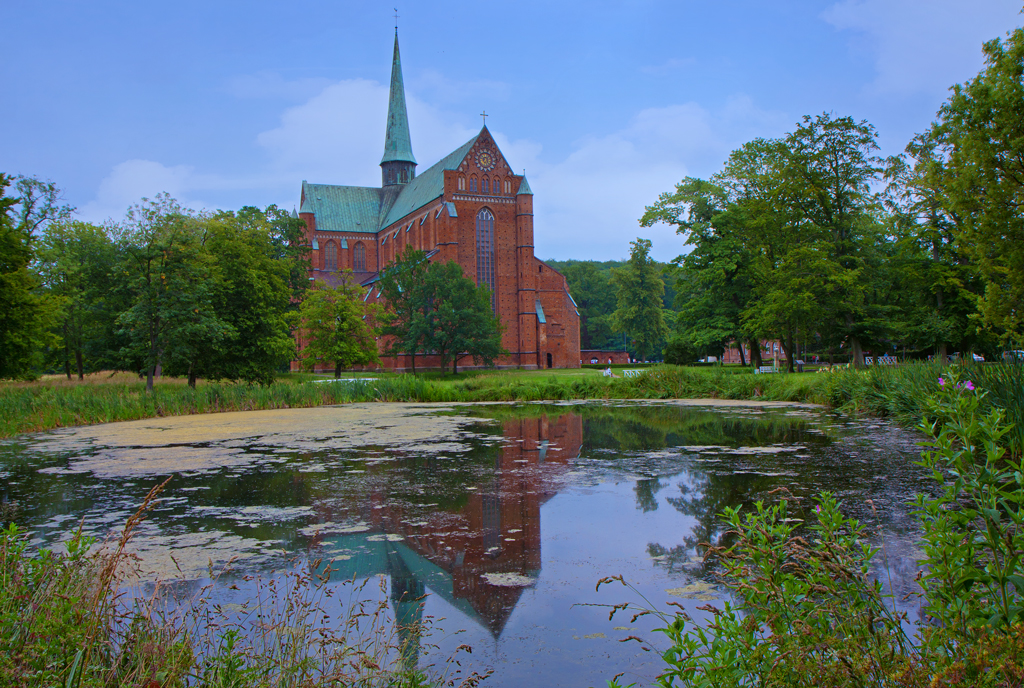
(485, 116)
(396, 19)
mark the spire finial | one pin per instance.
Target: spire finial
(396, 20)
(484, 115)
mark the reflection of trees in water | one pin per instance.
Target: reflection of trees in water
(645, 491)
(649, 428)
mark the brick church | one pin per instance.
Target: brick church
(469, 207)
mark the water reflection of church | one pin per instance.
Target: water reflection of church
(480, 557)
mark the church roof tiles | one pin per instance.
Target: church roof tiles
(369, 209)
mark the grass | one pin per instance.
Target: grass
(894, 392)
(68, 619)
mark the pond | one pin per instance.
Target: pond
(504, 516)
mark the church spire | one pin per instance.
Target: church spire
(398, 165)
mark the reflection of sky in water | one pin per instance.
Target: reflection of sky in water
(506, 514)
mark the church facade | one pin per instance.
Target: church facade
(469, 207)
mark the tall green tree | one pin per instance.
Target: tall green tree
(254, 286)
(591, 289)
(714, 280)
(77, 261)
(24, 312)
(407, 305)
(827, 180)
(170, 277)
(336, 326)
(459, 319)
(937, 282)
(640, 308)
(979, 138)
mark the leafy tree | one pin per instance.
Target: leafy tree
(77, 261)
(336, 326)
(591, 289)
(714, 280)
(403, 287)
(459, 319)
(937, 283)
(24, 313)
(640, 310)
(826, 183)
(169, 275)
(979, 138)
(254, 284)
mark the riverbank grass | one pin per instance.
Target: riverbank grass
(102, 398)
(71, 618)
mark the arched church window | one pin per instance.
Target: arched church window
(331, 256)
(472, 185)
(485, 252)
(359, 258)
(496, 186)
(485, 184)
(405, 176)
(508, 186)
(462, 183)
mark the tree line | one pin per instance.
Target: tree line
(212, 295)
(165, 290)
(623, 305)
(816, 241)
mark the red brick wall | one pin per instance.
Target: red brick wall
(520, 279)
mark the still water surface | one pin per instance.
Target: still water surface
(506, 516)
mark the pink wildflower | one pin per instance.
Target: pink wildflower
(942, 383)
(969, 385)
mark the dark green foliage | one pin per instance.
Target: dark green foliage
(900, 392)
(407, 305)
(979, 148)
(433, 307)
(256, 277)
(590, 286)
(459, 318)
(25, 314)
(639, 311)
(336, 326)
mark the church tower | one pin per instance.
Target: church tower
(398, 166)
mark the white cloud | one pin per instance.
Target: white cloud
(924, 47)
(337, 137)
(129, 182)
(587, 205)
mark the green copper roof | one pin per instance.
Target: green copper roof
(425, 187)
(369, 209)
(342, 208)
(524, 188)
(397, 144)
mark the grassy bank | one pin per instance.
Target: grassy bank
(894, 392)
(30, 407)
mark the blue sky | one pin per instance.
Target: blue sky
(604, 104)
